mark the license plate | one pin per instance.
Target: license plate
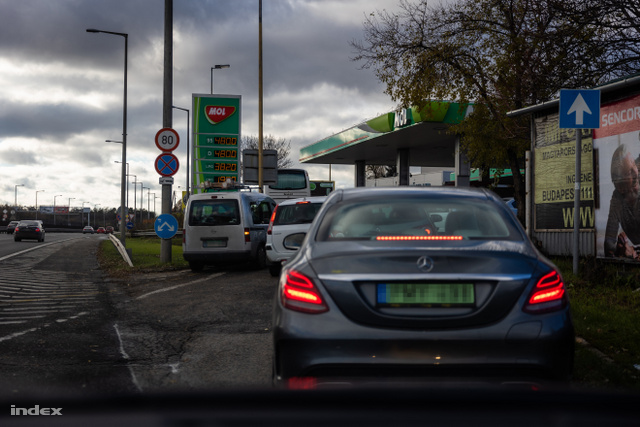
(425, 294)
(219, 243)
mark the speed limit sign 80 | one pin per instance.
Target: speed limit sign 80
(167, 139)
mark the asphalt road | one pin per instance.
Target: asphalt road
(66, 328)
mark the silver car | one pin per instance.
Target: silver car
(378, 290)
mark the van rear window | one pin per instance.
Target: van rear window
(214, 212)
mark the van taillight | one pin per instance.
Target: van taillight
(247, 235)
(547, 295)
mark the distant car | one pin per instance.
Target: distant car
(376, 292)
(289, 224)
(101, 230)
(29, 229)
(11, 227)
(109, 229)
(88, 229)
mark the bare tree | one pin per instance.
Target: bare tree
(281, 145)
(500, 55)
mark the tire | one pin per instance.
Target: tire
(15, 239)
(274, 269)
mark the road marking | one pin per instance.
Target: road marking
(126, 356)
(213, 276)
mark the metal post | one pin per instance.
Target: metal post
(123, 184)
(576, 202)
(54, 208)
(167, 102)
(37, 191)
(260, 101)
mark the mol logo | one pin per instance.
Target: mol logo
(216, 114)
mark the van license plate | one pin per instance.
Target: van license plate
(220, 243)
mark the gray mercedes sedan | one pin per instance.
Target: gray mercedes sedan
(419, 283)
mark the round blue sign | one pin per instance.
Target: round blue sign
(166, 226)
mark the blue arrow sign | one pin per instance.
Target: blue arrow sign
(579, 109)
(166, 226)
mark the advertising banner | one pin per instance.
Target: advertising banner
(216, 136)
(618, 145)
(555, 170)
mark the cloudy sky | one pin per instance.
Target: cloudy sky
(61, 88)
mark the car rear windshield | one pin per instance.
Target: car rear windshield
(300, 213)
(418, 220)
(214, 212)
(29, 224)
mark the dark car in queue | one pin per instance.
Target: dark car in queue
(11, 227)
(30, 229)
(378, 291)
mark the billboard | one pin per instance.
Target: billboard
(216, 139)
(555, 175)
(618, 145)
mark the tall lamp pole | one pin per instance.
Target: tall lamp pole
(37, 191)
(148, 190)
(54, 208)
(15, 201)
(185, 109)
(217, 67)
(135, 186)
(69, 211)
(123, 184)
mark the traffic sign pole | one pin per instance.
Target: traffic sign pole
(579, 109)
(576, 202)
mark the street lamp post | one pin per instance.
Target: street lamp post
(217, 67)
(135, 187)
(185, 109)
(15, 201)
(141, 198)
(54, 208)
(148, 205)
(69, 211)
(88, 213)
(37, 191)
(141, 192)
(154, 204)
(127, 180)
(123, 228)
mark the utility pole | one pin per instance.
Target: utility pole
(167, 112)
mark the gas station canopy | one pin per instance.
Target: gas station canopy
(421, 133)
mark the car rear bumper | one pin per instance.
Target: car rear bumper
(29, 236)
(534, 349)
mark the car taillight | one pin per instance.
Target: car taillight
(247, 235)
(547, 295)
(273, 218)
(300, 294)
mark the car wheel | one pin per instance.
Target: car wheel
(15, 239)
(261, 258)
(274, 270)
(196, 266)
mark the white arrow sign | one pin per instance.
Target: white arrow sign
(166, 225)
(579, 107)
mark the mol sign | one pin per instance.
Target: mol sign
(216, 128)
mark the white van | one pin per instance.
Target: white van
(226, 226)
